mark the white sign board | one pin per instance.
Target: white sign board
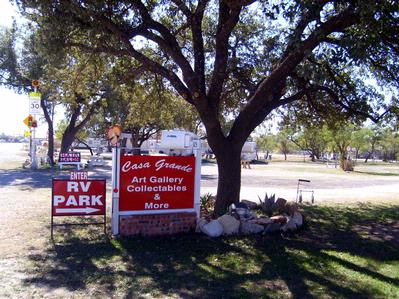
(34, 103)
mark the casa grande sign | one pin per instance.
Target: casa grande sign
(156, 183)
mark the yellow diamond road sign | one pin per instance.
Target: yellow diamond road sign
(26, 121)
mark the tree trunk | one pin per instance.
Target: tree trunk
(135, 140)
(50, 152)
(67, 139)
(229, 182)
(49, 119)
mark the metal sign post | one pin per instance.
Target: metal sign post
(34, 109)
(197, 180)
(115, 189)
(33, 150)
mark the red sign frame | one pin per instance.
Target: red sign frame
(156, 183)
(78, 197)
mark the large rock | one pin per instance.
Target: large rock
(279, 219)
(298, 219)
(290, 208)
(248, 228)
(272, 227)
(213, 229)
(250, 204)
(293, 222)
(289, 226)
(261, 221)
(230, 224)
(200, 223)
(280, 203)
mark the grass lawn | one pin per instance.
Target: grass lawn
(342, 252)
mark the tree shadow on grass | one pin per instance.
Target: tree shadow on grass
(306, 265)
(41, 178)
(26, 178)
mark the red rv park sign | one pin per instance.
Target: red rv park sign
(156, 183)
(78, 197)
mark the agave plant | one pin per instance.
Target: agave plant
(268, 205)
(207, 203)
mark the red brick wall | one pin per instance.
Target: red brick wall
(158, 224)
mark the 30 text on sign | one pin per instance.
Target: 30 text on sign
(150, 183)
(34, 103)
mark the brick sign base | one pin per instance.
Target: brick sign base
(158, 224)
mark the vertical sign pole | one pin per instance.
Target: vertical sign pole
(197, 181)
(115, 190)
(105, 209)
(34, 160)
(52, 204)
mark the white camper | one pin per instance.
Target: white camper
(145, 148)
(178, 143)
(248, 152)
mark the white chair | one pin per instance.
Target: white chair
(303, 187)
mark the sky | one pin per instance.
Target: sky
(14, 107)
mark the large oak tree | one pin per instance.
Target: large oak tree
(238, 58)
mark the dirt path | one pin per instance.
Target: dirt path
(374, 183)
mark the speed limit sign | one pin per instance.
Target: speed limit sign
(34, 103)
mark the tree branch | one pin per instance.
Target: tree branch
(167, 43)
(271, 88)
(228, 19)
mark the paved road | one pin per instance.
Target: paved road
(10, 151)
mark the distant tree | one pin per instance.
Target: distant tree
(144, 106)
(340, 139)
(284, 143)
(310, 139)
(365, 141)
(18, 68)
(81, 87)
(266, 143)
(390, 144)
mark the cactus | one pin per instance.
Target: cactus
(268, 205)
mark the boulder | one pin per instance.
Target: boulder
(272, 227)
(230, 224)
(289, 226)
(248, 228)
(261, 221)
(212, 229)
(280, 203)
(290, 208)
(293, 222)
(241, 205)
(242, 214)
(250, 204)
(298, 219)
(279, 219)
(200, 223)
